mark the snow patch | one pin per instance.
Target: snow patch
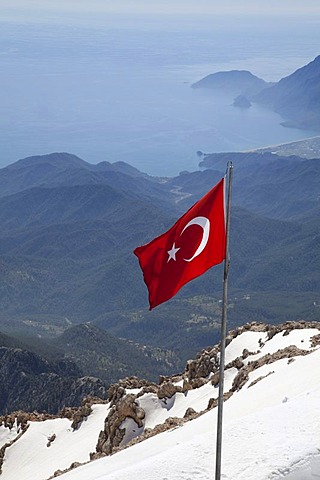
(37, 461)
(248, 340)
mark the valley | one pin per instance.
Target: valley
(68, 232)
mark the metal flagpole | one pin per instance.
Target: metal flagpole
(223, 331)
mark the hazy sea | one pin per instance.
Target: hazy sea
(123, 92)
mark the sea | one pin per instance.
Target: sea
(120, 90)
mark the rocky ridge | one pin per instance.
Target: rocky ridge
(204, 369)
(127, 420)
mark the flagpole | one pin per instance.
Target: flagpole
(223, 331)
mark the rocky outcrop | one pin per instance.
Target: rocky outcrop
(113, 433)
(59, 472)
(203, 369)
(118, 390)
(20, 419)
(79, 414)
(51, 439)
(287, 327)
(315, 341)
(167, 390)
(126, 422)
(171, 422)
(205, 363)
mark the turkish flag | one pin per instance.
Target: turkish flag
(195, 243)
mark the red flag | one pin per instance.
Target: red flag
(195, 243)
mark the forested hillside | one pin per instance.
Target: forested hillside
(69, 229)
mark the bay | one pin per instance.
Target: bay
(123, 93)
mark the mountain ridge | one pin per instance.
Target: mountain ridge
(172, 424)
(66, 252)
(82, 361)
(295, 97)
(31, 382)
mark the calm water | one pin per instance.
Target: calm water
(123, 92)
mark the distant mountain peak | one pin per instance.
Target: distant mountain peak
(57, 159)
(296, 97)
(237, 82)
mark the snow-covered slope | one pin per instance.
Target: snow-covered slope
(271, 419)
(32, 458)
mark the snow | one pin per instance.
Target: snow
(229, 375)
(133, 391)
(248, 340)
(132, 430)
(261, 445)
(7, 435)
(37, 461)
(306, 469)
(157, 411)
(179, 383)
(299, 338)
(289, 380)
(271, 429)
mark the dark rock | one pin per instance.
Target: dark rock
(189, 413)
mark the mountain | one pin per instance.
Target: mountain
(30, 382)
(235, 82)
(168, 430)
(38, 374)
(99, 354)
(272, 185)
(66, 249)
(36, 345)
(61, 238)
(270, 278)
(64, 169)
(7, 341)
(296, 97)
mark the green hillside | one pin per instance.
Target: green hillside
(99, 354)
(66, 249)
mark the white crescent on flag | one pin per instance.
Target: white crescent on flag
(193, 249)
(204, 223)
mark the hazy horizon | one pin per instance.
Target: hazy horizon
(187, 7)
(107, 84)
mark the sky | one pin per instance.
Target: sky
(272, 7)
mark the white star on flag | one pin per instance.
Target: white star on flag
(172, 252)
